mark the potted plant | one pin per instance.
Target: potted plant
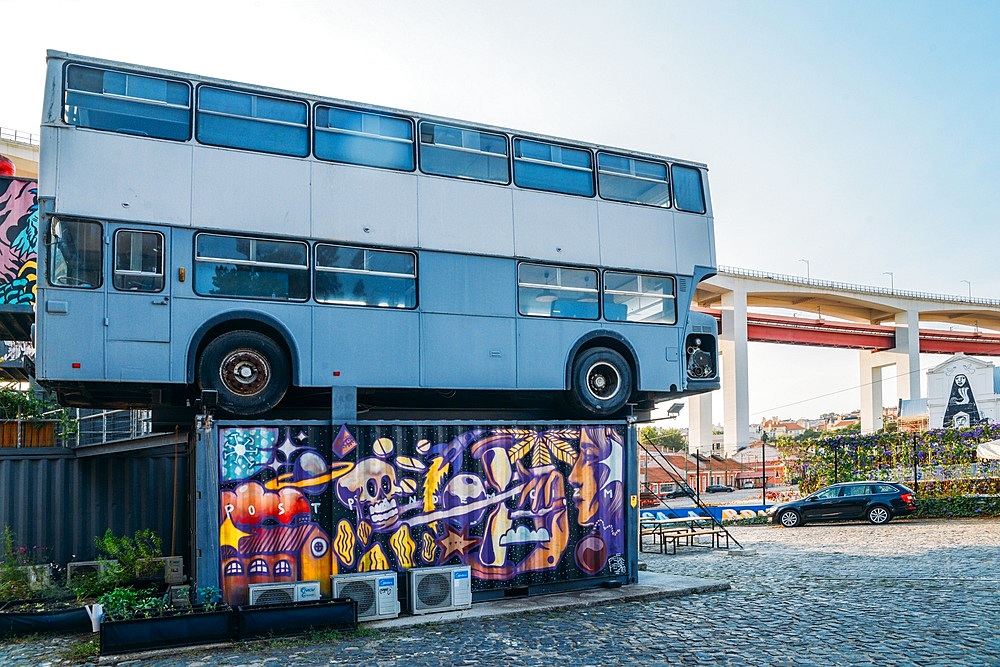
(257, 621)
(30, 600)
(134, 620)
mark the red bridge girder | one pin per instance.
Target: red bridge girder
(846, 335)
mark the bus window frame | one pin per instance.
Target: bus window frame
(365, 272)
(251, 262)
(606, 293)
(632, 159)
(514, 159)
(66, 90)
(53, 246)
(554, 288)
(306, 125)
(161, 260)
(342, 107)
(507, 156)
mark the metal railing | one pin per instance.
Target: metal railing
(98, 427)
(19, 137)
(859, 289)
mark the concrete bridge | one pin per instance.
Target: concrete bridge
(888, 327)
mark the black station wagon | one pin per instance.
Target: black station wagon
(876, 501)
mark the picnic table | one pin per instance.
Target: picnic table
(682, 530)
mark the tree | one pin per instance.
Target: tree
(664, 438)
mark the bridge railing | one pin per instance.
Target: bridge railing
(860, 289)
(19, 137)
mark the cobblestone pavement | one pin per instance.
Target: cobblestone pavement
(906, 593)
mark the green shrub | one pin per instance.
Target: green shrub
(959, 506)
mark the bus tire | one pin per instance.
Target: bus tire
(601, 382)
(249, 370)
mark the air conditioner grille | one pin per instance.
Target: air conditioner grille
(276, 596)
(362, 593)
(434, 589)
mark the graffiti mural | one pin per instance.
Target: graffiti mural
(521, 506)
(18, 240)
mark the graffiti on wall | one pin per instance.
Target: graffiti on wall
(18, 258)
(521, 506)
(18, 240)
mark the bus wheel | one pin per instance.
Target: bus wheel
(248, 369)
(602, 382)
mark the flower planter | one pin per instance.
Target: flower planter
(165, 631)
(57, 620)
(254, 622)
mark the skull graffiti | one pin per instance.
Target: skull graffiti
(370, 489)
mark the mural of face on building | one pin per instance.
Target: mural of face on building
(370, 489)
(962, 409)
(596, 477)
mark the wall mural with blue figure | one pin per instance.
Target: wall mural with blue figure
(522, 506)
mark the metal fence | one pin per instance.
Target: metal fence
(19, 137)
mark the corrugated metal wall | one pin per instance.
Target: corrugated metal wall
(62, 502)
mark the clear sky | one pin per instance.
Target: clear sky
(862, 137)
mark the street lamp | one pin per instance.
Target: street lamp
(891, 286)
(807, 267)
(969, 285)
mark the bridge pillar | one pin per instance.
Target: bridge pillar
(735, 375)
(907, 353)
(699, 421)
(905, 356)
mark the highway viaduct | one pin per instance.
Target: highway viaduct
(888, 327)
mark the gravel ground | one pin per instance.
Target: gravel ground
(910, 592)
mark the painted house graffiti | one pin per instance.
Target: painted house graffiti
(520, 505)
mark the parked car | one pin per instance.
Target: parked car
(679, 492)
(878, 502)
(718, 488)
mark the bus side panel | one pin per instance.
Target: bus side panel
(658, 355)
(446, 221)
(70, 332)
(467, 352)
(367, 347)
(364, 205)
(469, 285)
(637, 237)
(250, 192)
(190, 313)
(695, 241)
(126, 179)
(543, 347)
(556, 228)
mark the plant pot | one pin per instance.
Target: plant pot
(57, 620)
(165, 631)
(289, 619)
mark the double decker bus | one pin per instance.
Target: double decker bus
(198, 233)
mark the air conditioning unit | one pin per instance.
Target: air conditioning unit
(375, 593)
(296, 591)
(173, 569)
(86, 568)
(435, 589)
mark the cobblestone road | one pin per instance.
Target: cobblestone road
(906, 593)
